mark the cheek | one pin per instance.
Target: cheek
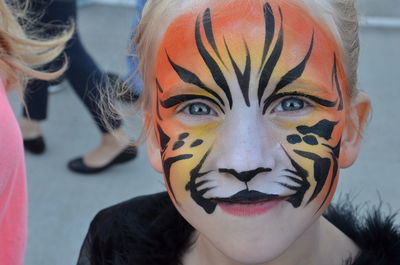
(312, 131)
(314, 143)
(182, 152)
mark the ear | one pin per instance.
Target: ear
(153, 149)
(352, 133)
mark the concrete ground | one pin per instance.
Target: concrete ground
(62, 203)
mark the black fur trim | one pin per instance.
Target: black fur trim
(376, 235)
(146, 230)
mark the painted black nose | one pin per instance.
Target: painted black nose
(245, 176)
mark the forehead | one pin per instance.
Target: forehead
(230, 29)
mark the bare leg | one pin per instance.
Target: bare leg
(110, 146)
(30, 128)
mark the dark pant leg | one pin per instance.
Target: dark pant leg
(87, 80)
(36, 98)
(83, 74)
(36, 95)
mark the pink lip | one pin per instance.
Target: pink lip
(248, 209)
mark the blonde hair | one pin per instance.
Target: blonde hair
(339, 15)
(21, 54)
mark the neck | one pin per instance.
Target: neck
(322, 243)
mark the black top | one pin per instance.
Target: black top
(148, 230)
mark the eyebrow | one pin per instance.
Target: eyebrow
(175, 100)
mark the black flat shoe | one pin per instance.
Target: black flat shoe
(78, 165)
(35, 146)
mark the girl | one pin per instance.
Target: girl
(20, 55)
(251, 108)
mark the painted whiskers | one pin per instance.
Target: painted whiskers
(299, 145)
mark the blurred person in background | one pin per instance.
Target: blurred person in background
(133, 79)
(86, 79)
(21, 53)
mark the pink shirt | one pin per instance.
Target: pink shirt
(13, 194)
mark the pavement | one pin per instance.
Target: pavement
(62, 203)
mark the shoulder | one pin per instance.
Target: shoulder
(138, 209)
(374, 232)
(144, 230)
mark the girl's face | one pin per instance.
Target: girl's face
(249, 114)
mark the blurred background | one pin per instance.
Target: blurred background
(62, 203)
(383, 8)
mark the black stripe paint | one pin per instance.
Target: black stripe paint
(242, 77)
(183, 136)
(323, 128)
(208, 205)
(269, 31)
(335, 156)
(296, 72)
(159, 86)
(336, 81)
(294, 139)
(294, 179)
(212, 65)
(244, 176)
(288, 78)
(334, 175)
(158, 107)
(196, 143)
(190, 78)
(321, 170)
(273, 97)
(271, 62)
(178, 99)
(209, 32)
(163, 138)
(178, 145)
(310, 140)
(167, 164)
(297, 198)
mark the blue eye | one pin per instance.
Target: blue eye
(291, 104)
(199, 109)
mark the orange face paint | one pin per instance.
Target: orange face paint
(237, 63)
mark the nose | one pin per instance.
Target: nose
(245, 147)
(245, 176)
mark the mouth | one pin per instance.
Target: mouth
(249, 203)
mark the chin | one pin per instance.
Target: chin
(262, 242)
(256, 246)
(253, 239)
(252, 254)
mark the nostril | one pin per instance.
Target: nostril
(245, 176)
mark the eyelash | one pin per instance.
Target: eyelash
(305, 104)
(186, 108)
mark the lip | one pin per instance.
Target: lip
(249, 208)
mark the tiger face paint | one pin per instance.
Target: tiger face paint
(249, 113)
